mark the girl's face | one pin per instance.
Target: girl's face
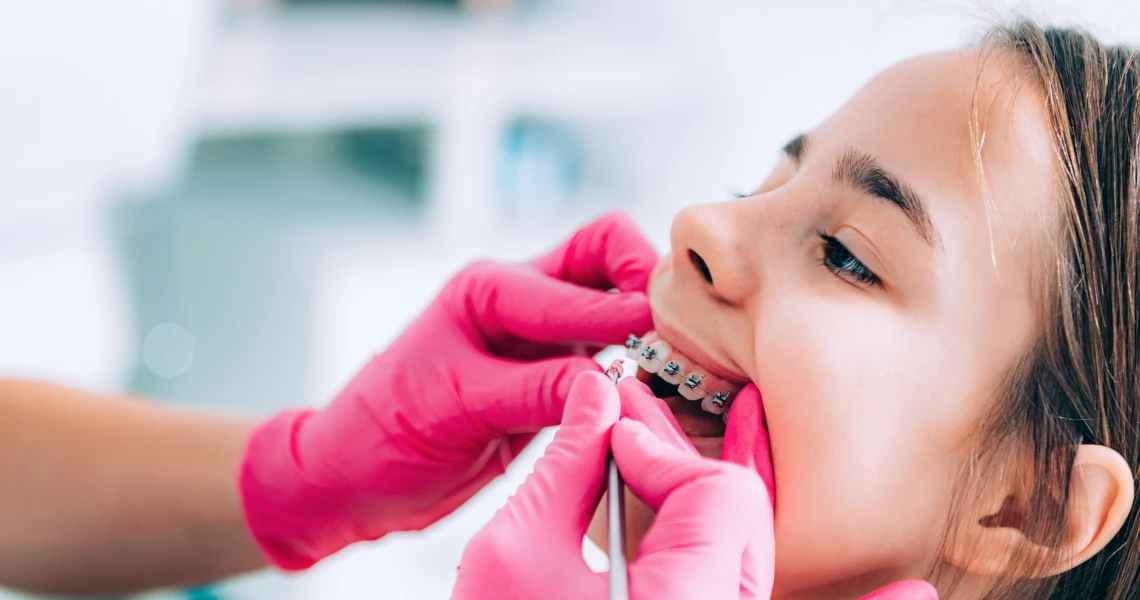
(875, 288)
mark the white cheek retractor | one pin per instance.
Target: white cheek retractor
(615, 511)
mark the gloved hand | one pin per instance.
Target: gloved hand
(532, 547)
(432, 419)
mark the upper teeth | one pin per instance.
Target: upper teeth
(654, 355)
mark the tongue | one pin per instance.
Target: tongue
(695, 421)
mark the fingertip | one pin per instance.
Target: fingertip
(593, 400)
(631, 304)
(610, 317)
(634, 385)
(632, 256)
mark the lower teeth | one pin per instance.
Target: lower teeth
(653, 360)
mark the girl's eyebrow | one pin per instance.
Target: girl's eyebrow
(865, 174)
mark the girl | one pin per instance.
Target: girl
(934, 293)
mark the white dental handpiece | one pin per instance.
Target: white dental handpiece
(615, 509)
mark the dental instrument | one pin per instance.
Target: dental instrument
(615, 487)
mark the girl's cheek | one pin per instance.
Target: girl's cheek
(662, 266)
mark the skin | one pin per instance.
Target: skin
(872, 392)
(158, 504)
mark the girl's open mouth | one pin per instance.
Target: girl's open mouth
(697, 399)
(700, 401)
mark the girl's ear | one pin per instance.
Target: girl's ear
(1101, 492)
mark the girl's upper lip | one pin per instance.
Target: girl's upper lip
(686, 346)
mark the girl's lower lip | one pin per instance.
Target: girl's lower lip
(695, 422)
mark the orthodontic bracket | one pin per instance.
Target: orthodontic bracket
(632, 342)
(693, 382)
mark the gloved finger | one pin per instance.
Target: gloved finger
(534, 543)
(608, 253)
(656, 469)
(914, 589)
(639, 403)
(746, 444)
(558, 499)
(515, 445)
(758, 566)
(746, 437)
(510, 300)
(707, 513)
(500, 455)
(524, 397)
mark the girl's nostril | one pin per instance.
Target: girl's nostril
(699, 263)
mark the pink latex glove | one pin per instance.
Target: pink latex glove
(712, 537)
(456, 397)
(532, 548)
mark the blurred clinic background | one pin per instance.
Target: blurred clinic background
(234, 203)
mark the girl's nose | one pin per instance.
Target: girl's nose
(708, 253)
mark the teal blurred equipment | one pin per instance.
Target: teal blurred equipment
(540, 169)
(221, 266)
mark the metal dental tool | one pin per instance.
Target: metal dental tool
(615, 510)
(615, 487)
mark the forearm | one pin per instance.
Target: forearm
(104, 494)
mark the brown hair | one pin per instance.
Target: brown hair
(1080, 383)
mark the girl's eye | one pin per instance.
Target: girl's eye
(839, 260)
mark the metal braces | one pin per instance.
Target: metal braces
(693, 382)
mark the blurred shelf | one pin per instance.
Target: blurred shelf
(467, 77)
(318, 67)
